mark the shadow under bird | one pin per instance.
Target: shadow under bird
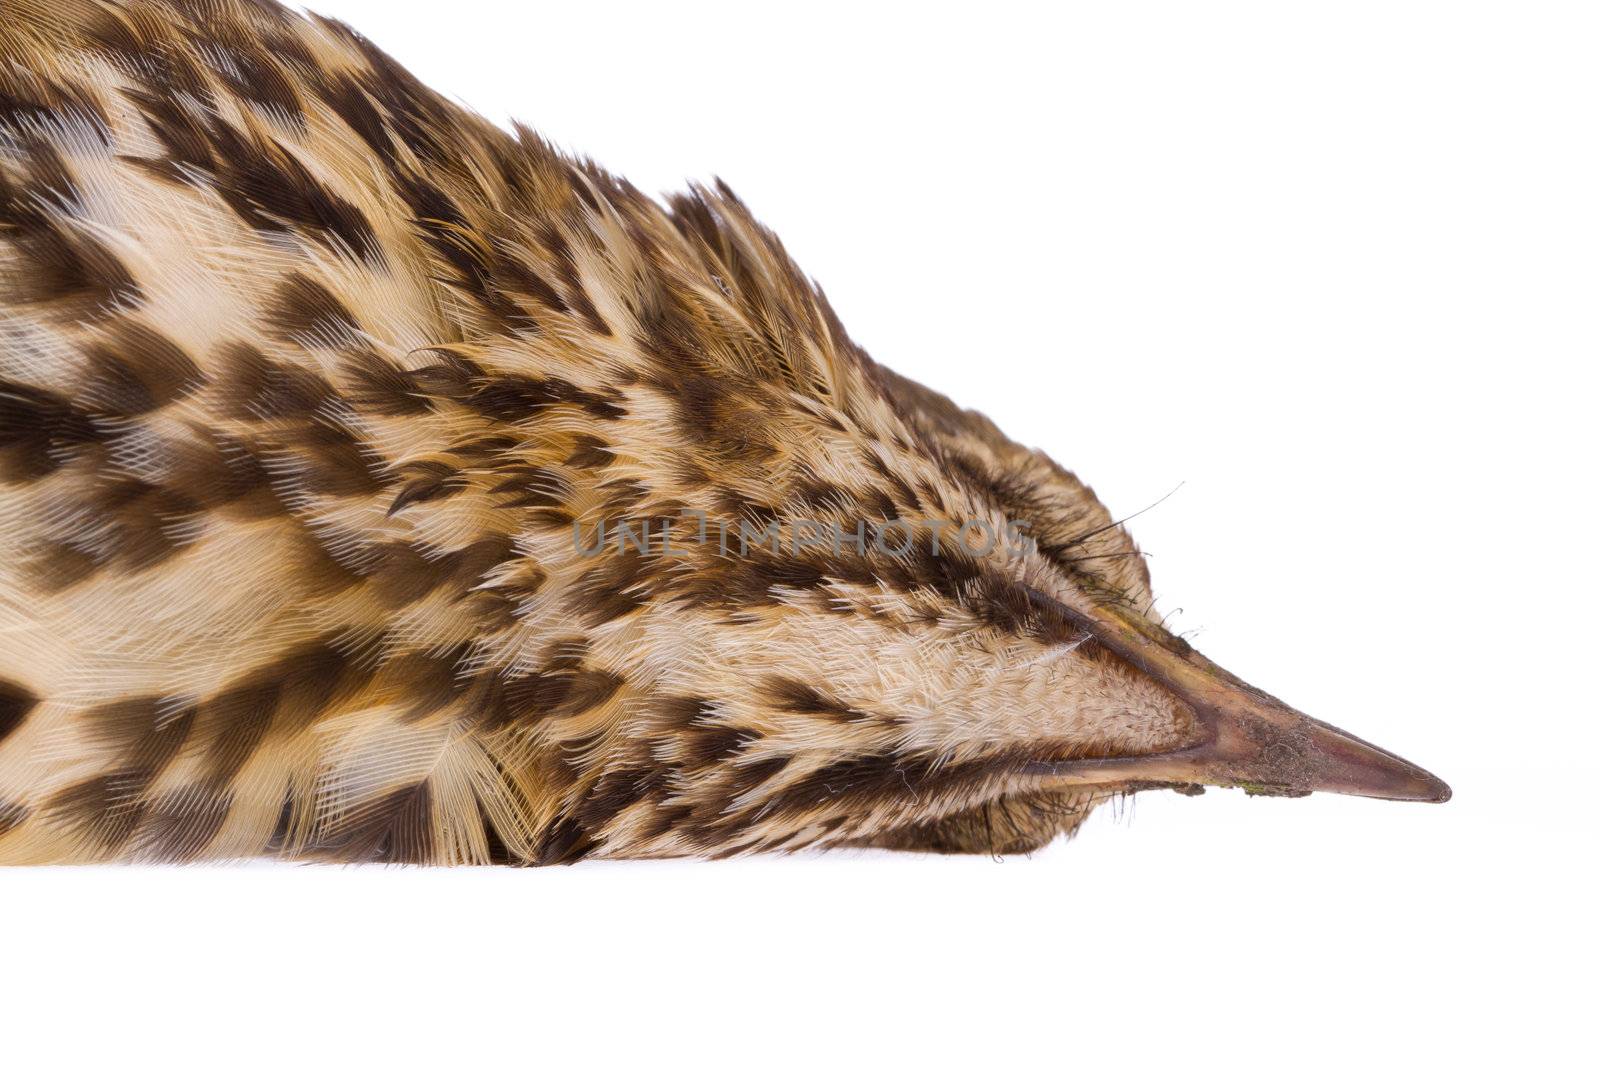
(376, 484)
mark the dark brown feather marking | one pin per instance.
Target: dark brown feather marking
(11, 816)
(232, 723)
(558, 694)
(395, 828)
(791, 694)
(255, 387)
(101, 812)
(305, 312)
(564, 841)
(15, 703)
(39, 430)
(178, 824)
(136, 370)
(60, 265)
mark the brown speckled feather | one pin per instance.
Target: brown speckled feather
(307, 377)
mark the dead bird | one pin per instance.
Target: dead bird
(376, 484)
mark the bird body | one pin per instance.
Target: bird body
(376, 484)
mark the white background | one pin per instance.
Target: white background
(1334, 269)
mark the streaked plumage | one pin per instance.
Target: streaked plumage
(306, 376)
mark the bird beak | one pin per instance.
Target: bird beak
(1248, 738)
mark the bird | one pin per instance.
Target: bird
(378, 484)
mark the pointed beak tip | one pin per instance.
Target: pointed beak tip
(1438, 791)
(1403, 781)
(1415, 785)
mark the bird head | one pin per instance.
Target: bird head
(831, 608)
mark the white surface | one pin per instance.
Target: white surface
(1333, 268)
